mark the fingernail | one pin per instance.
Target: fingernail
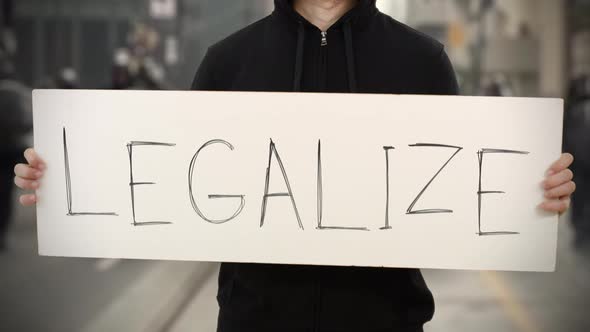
(550, 172)
(35, 184)
(38, 174)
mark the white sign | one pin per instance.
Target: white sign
(330, 179)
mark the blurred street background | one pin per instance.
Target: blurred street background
(533, 48)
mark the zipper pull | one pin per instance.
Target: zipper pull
(324, 38)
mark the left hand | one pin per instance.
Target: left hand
(559, 185)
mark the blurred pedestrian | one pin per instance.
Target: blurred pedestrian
(577, 140)
(497, 86)
(131, 72)
(149, 76)
(15, 124)
(67, 79)
(121, 78)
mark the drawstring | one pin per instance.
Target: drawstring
(299, 58)
(349, 57)
(349, 53)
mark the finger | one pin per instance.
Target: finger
(565, 189)
(558, 179)
(33, 159)
(26, 172)
(28, 200)
(564, 162)
(556, 205)
(26, 184)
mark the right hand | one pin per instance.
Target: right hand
(27, 176)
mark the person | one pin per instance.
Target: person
(577, 140)
(121, 77)
(15, 123)
(326, 46)
(135, 72)
(67, 79)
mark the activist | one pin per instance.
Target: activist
(342, 46)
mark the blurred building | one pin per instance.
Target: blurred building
(84, 34)
(521, 42)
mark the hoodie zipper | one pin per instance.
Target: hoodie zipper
(323, 61)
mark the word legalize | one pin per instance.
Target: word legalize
(267, 195)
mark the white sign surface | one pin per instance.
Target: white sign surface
(321, 179)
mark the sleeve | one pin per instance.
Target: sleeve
(204, 78)
(444, 81)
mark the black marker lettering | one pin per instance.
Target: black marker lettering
(69, 195)
(273, 151)
(320, 199)
(480, 192)
(190, 187)
(411, 208)
(133, 184)
(387, 224)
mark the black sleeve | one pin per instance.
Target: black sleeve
(204, 78)
(444, 81)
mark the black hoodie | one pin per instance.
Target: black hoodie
(364, 52)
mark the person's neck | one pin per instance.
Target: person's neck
(323, 13)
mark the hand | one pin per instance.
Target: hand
(28, 175)
(559, 185)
